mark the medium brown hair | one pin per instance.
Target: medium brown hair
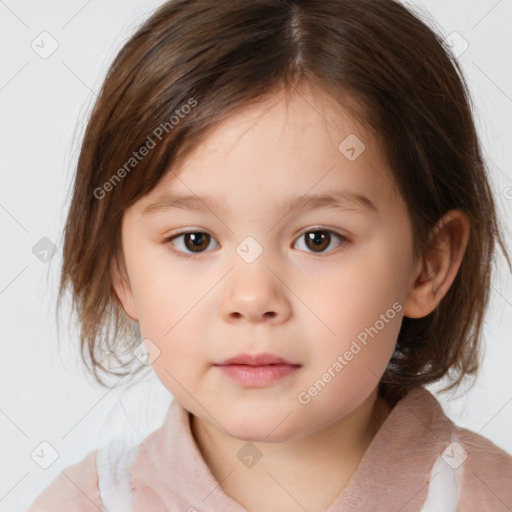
(219, 57)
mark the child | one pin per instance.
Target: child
(286, 201)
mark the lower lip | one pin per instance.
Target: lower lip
(258, 376)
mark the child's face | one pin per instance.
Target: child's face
(333, 307)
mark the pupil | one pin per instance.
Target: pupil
(320, 239)
(197, 240)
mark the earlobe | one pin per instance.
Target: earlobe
(439, 267)
(122, 290)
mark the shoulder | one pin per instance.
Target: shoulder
(482, 472)
(487, 473)
(75, 489)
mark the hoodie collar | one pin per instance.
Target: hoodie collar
(169, 469)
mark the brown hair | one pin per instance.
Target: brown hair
(218, 57)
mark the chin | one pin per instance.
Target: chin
(271, 427)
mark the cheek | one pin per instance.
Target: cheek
(169, 304)
(161, 292)
(360, 307)
(359, 287)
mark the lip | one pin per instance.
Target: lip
(262, 359)
(258, 370)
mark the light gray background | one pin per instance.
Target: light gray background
(45, 394)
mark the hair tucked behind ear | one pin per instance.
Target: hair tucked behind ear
(375, 57)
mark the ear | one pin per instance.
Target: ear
(436, 271)
(121, 285)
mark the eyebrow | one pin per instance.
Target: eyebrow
(343, 199)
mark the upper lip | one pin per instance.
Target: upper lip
(263, 359)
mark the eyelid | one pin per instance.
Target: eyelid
(169, 238)
(310, 229)
(321, 228)
(343, 240)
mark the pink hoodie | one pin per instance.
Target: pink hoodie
(418, 461)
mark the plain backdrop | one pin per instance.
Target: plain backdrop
(51, 413)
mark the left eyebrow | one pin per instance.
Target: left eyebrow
(342, 199)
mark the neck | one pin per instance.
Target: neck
(291, 476)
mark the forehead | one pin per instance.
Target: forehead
(287, 146)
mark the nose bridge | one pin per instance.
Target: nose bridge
(253, 290)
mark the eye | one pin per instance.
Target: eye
(197, 242)
(319, 239)
(193, 241)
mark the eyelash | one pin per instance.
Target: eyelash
(343, 240)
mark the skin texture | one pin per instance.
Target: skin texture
(305, 306)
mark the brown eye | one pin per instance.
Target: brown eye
(318, 240)
(196, 241)
(191, 242)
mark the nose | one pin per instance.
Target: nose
(254, 293)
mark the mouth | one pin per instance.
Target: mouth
(258, 370)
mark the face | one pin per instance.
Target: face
(237, 271)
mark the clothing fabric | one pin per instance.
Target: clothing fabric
(117, 493)
(418, 461)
